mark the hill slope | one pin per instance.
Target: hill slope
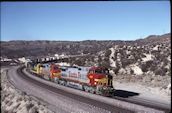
(147, 61)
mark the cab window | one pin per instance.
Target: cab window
(98, 71)
(56, 68)
(91, 71)
(106, 71)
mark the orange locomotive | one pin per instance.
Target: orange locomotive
(90, 79)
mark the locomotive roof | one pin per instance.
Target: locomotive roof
(94, 68)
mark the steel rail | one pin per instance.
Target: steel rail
(135, 100)
(111, 108)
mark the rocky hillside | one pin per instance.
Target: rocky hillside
(16, 101)
(152, 54)
(147, 61)
(18, 49)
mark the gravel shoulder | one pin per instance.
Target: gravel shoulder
(56, 102)
(63, 104)
(111, 101)
(149, 93)
(16, 101)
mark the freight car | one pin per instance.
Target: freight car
(90, 79)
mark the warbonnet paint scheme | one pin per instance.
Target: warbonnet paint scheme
(90, 79)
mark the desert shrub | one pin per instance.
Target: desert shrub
(169, 72)
(34, 110)
(106, 58)
(6, 102)
(164, 70)
(105, 64)
(125, 63)
(133, 79)
(79, 62)
(28, 106)
(115, 70)
(92, 58)
(165, 61)
(147, 79)
(157, 71)
(4, 111)
(17, 106)
(23, 93)
(131, 71)
(155, 51)
(99, 61)
(115, 56)
(153, 68)
(143, 56)
(19, 99)
(129, 78)
(149, 63)
(160, 71)
(144, 67)
(107, 53)
(122, 52)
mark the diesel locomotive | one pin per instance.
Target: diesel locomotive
(95, 80)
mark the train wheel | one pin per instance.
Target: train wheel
(65, 83)
(52, 79)
(57, 81)
(83, 88)
(86, 88)
(92, 90)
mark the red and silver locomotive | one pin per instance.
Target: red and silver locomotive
(90, 79)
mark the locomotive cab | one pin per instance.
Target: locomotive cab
(55, 71)
(100, 76)
(101, 79)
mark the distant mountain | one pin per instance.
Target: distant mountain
(154, 39)
(146, 60)
(17, 49)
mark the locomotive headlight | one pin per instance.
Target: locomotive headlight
(95, 83)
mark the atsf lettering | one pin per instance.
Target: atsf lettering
(74, 75)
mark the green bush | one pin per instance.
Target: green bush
(78, 62)
(107, 53)
(144, 67)
(160, 71)
(116, 70)
(105, 64)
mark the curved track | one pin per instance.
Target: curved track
(99, 104)
(89, 101)
(144, 102)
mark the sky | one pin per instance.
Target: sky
(77, 21)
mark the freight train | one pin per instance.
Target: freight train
(95, 80)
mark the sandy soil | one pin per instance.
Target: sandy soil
(16, 101)
(68, 104)
(155, 94)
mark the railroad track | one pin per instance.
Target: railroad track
(146, 103)
(112, 109)
(95, 103)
